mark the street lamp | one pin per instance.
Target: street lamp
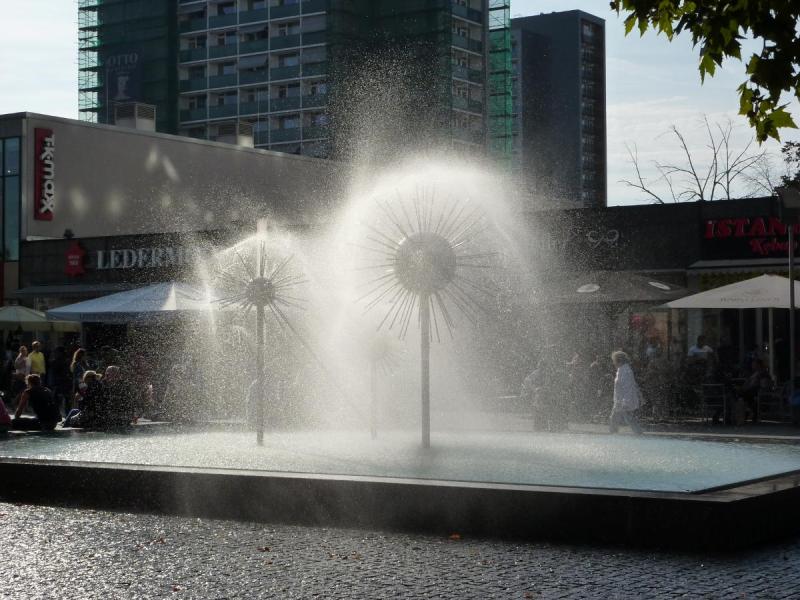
(790, 200)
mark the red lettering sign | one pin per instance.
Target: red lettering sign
(44, 187)
(75, 260)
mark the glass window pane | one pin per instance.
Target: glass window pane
(11, 156)
(11, 203)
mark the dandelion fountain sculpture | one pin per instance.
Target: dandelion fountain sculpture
(258, 279)
(422, 244)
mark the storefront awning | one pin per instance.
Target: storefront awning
(609, 286)
(148, 304)
(767, 265)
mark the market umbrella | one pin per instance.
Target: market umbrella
(764, 291)
(14, 317)
(149, 304)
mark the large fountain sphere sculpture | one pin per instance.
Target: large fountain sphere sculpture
(425, 262)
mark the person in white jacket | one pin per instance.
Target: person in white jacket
(627, 397)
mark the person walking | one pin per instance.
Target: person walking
(22, 368)
(627, 397)
(37, 360)
(77, 368)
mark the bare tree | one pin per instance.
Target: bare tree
(721, 172)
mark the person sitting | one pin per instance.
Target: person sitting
(5, 419)
(759, 380)
(44, 406)
(90, 402)
(119, 408)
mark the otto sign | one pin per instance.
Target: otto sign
(45, 174)
(145, 258)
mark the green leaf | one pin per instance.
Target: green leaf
(782, 119)
(629, 23)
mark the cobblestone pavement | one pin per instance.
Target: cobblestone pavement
(64, 553)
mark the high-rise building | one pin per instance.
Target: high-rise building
(559, 106)
(296, 71)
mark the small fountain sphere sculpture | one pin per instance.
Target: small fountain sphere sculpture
(423, 259)
(261, 283)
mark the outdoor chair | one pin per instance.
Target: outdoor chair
(713, 401)
(771, 405)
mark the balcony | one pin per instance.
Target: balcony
(287, 10)
(315, 37)
(467, 43)
(253, 46)
(284, 135)
(276, 104)
(284, 41)
(475, 106)
(218, 81)
(252, 16)
(314, 132)
(193, 54)
(193, 85)
(468, 13)
(284, 72)
(194, 114)
(315, 101)
(254, 108)
(246, 77)
(192, 25)
(310, 69)
(312, 6)
(222, 50)
(222, 21)
(467, 74)
(222, 110)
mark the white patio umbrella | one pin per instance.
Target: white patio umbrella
(152, 303)
(764, 291)
(28, 319)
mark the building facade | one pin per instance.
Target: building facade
(291, 69)
(64, 179)
(560, 108)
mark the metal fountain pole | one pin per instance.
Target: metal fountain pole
(425, 357)
(791, 312)
(260, 383)
(373, 405)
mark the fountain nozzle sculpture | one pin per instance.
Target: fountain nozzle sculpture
(253, 285)
(423, 259)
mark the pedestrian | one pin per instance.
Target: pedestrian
(43, 404)
(22, 368)
(60, 378)
(627, 397)
(77, 368)
(38, 366)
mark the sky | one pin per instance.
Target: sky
(651, 84)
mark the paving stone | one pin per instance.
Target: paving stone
(54, 552)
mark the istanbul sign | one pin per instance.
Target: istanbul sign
(765, 236)
(44, 192)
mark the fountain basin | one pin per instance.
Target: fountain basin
(223, 474)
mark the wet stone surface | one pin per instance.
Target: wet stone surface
(65, 553)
